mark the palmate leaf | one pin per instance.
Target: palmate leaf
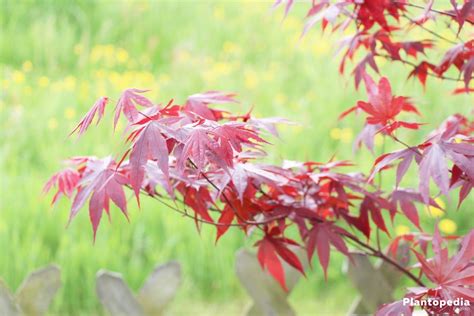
(395, 309)
(198, 104)
(320, 238)
(97, 109)
(203, 159)
(226, 218)
(270, 249)
(434, 157)
(66, 182)
(406, 199)
(382, 107)
(127, 105)
(101, 183)
(149, 144)
(453, 277)
(433, 165)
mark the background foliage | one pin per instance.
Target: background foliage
(57, 57)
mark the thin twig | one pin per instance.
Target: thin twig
(224, 195)
(428, 30)
(431, 9)
(407, 62)
(381, 255)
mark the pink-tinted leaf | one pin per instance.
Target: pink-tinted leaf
(127, 103)
(226, 218)
(149, 145)
(433, 165)
(268, 260)
(397, 308)
(98, 108)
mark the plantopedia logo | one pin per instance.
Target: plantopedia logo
(458, 302)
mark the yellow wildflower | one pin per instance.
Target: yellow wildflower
(100, 74)
(222, 68)
(321, 48)
(346, 135)
(447, 226)
(402, 230)
(70, 82)
(378, 140)
(164, 78)
(381, 61)
(218, 13)
(230, 48)
(52, 123)
(280, 98)
(27, 90)
(182, 56)
(69, 113)
(335, 133)
(43, 81)
(18, 77)
(27, 66)
(250, 79)
(209, 76)
(434, 211)
(84, 89)
(292, 23)
(122, 55)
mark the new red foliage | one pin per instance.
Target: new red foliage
(205, 159)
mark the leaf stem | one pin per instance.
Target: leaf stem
(381, 255)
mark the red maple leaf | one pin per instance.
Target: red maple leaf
(98, 108)
(127, 104)
(149, 144)
(270, 248)
(320, 237)
(102, 183)
(66, 182)
(199, 104)
(453, 276)
(382, 107)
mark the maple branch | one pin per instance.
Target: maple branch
(398, 140)
(227, 200)
(381, 255)
(184, 213)
(409, 63)
(431, 9)
(428, 30)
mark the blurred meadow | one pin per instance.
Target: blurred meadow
(57, 57)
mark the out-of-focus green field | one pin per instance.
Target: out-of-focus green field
(58, 57)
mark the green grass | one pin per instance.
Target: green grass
(57, 57)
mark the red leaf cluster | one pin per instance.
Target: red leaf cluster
(378, 26)
(202, 161)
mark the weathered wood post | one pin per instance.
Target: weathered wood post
(269, 299)
(34, 295)
(374, 283)
(156, 293)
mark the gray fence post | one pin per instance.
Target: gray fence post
(374, 283)
(269, 299)
(156, 293)
(34, 295)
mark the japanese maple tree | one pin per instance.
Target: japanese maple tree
(205, 163)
